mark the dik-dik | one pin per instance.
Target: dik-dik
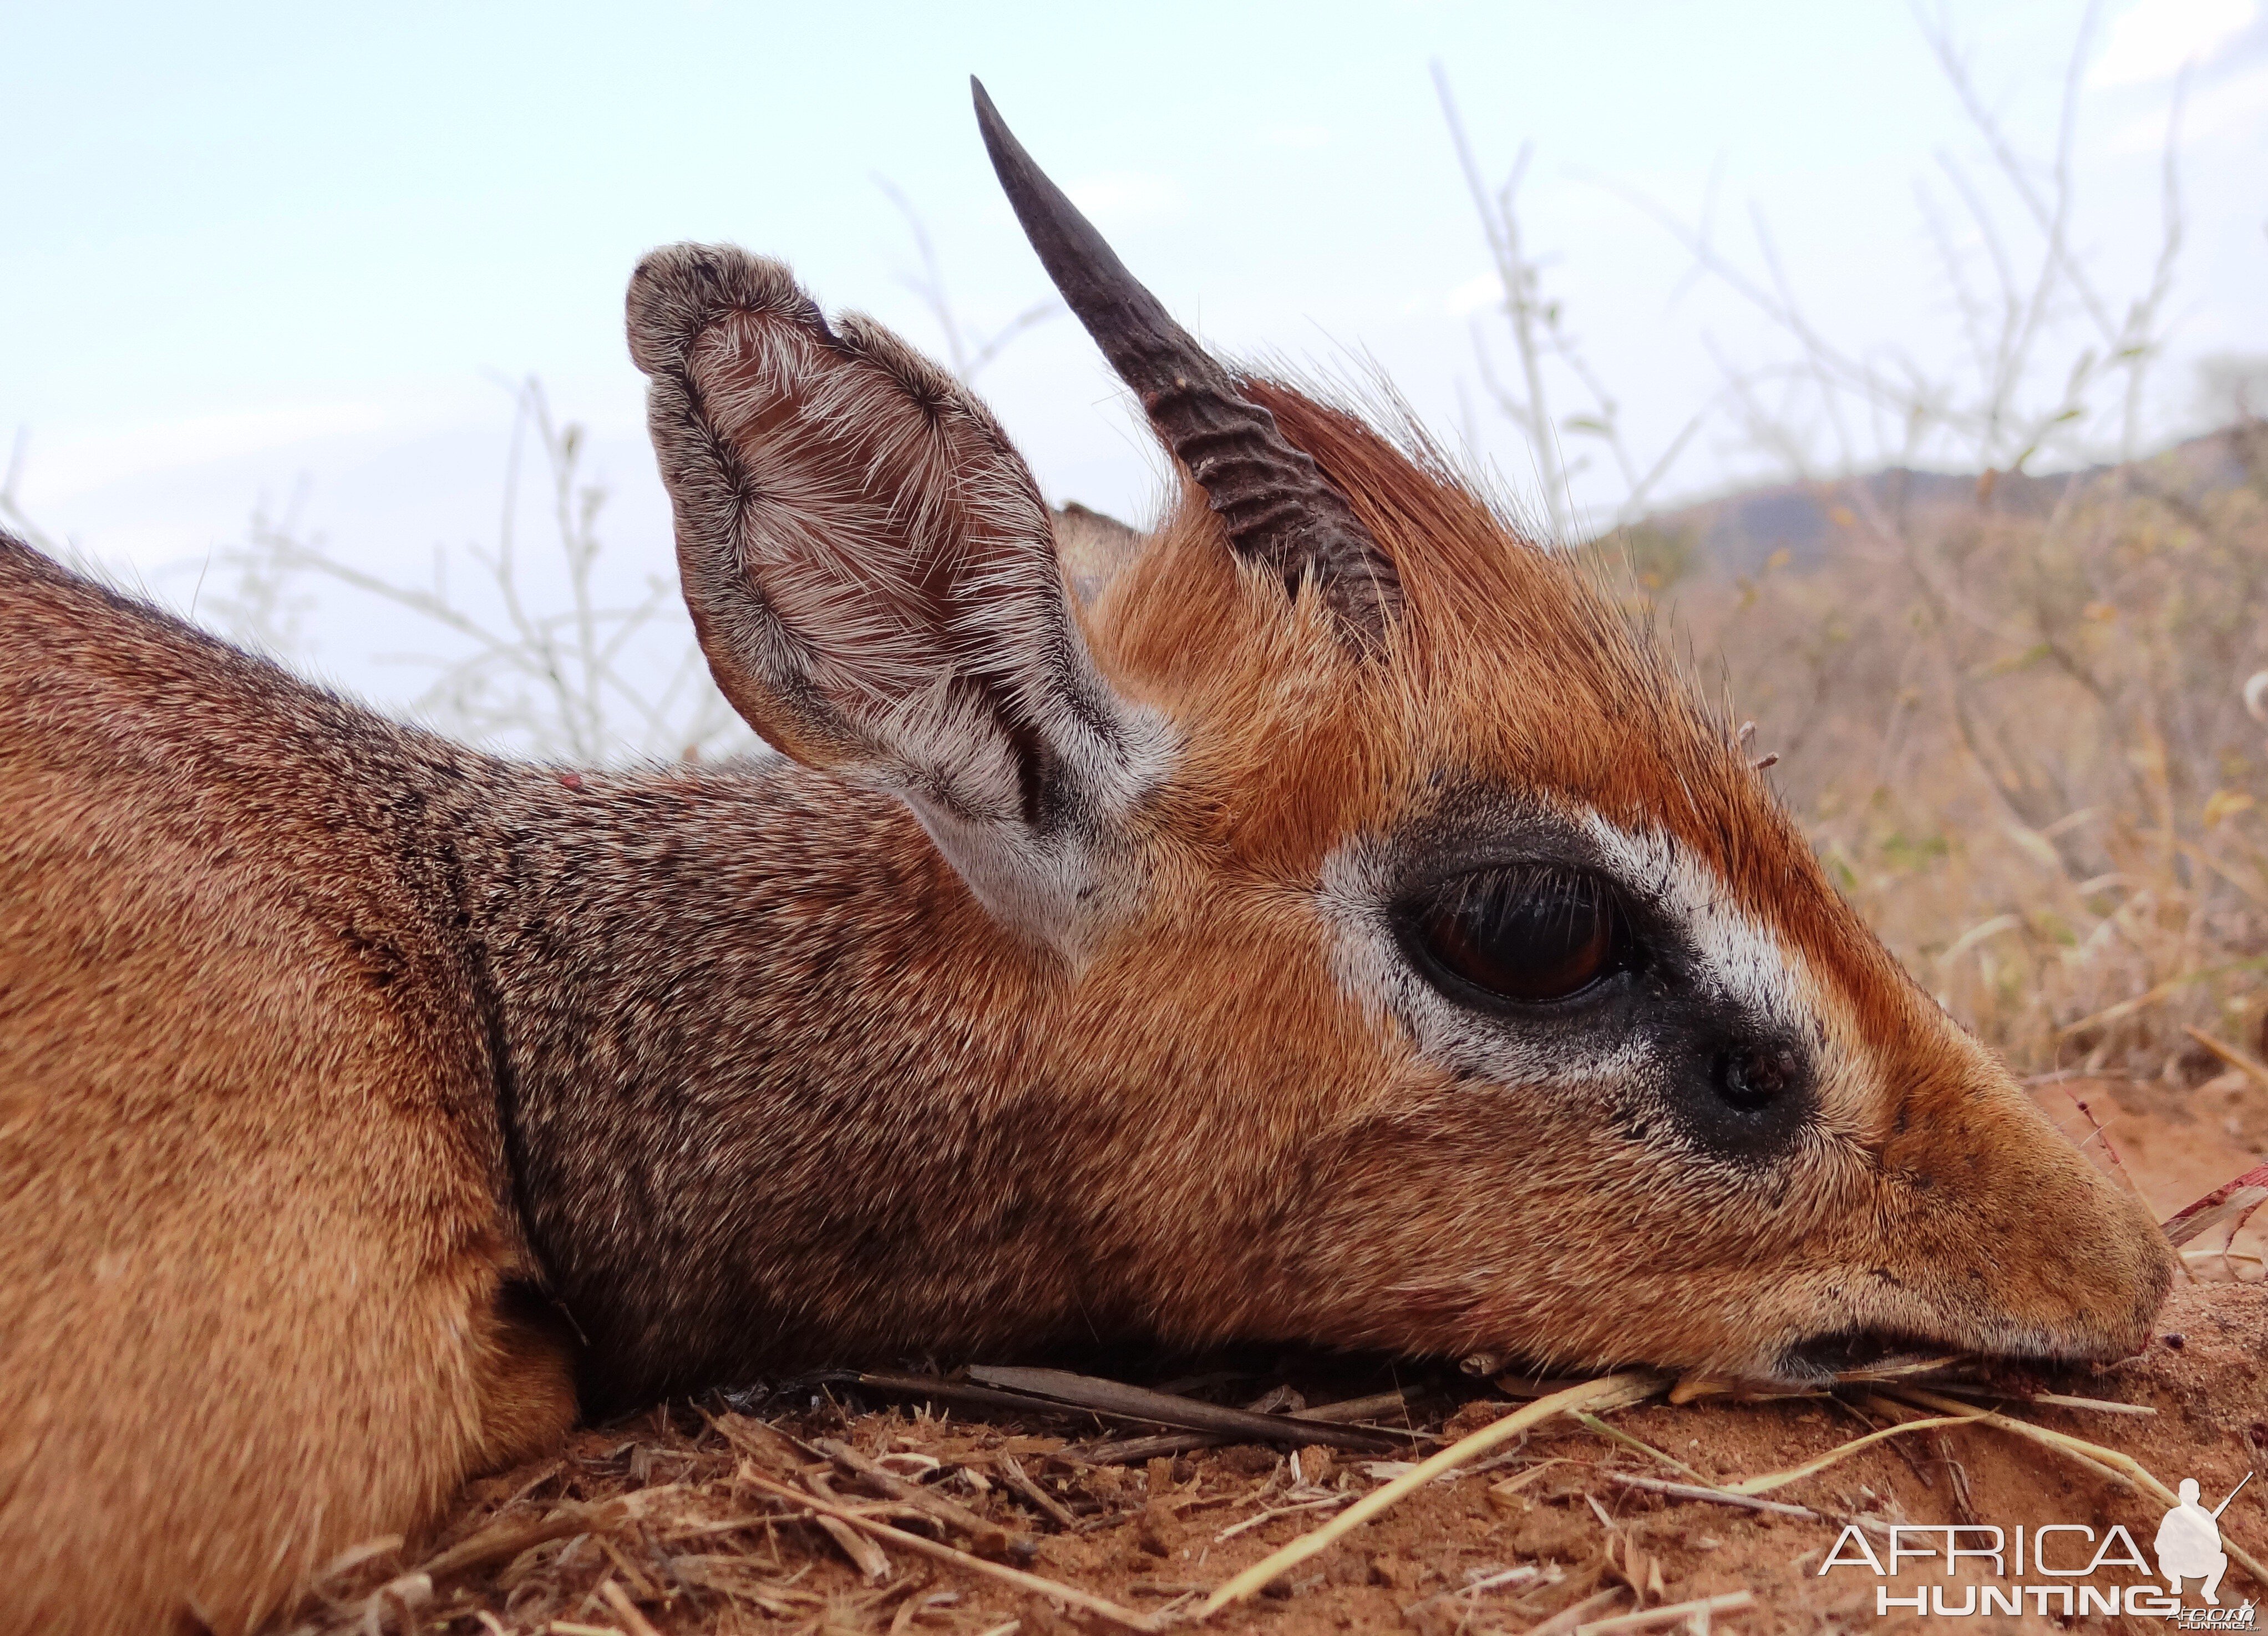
(1343, 929)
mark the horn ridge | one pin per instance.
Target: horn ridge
(1277, 506)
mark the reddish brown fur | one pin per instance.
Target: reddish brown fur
(345, 1070)
(1514, 668)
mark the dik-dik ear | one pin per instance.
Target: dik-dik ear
(873, 578)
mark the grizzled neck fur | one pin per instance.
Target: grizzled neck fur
(752, 1116)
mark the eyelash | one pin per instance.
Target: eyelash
(1523, 934)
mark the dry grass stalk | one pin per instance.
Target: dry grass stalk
(1568, 1618)
(2233, 1202)
(2053, 1400)
(873, 1563)
(1843, 1451)
(2243, 1062)
(1614, 1435)
(1691, 1388)
(1613, 1391)
(499, 1543)
(1273, 1512)
(822, 1510)
(1904, 1411)
(1472, 1589)
(1510, 1485)
(634, 1622)
(502, 1542)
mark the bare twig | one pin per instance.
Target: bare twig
(967, 349)
(556, 679)
(1122, 1402)
(1134, 1450)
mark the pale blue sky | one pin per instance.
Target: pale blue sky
(244, 248)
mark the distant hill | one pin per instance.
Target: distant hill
(1739, 533)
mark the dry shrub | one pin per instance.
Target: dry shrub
(2017, 735)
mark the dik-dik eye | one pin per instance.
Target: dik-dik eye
(1528, 933)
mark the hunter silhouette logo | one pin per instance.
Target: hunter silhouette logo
(2189, 1541)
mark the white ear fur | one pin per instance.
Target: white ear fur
(873, 578)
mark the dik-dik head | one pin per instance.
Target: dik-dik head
(1475, 985)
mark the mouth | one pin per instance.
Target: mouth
(1863, 1354)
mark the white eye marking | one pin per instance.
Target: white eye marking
(1741, 960)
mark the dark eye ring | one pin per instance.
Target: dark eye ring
(1529, 933)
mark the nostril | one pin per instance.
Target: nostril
(1752, 1077)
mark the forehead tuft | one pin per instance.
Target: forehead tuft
(1519, 650)
(1518, 667)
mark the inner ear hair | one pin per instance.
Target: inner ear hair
(870, 571)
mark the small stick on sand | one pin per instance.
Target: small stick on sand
(1613, 1391)
(1121, 1401)
(1064, 1594)
(1714, 1496)
(1469, 1592)
(873, 1563)
(1135, 1450)
(1702, 1609)
(1012, 1471)
(1270, 1514)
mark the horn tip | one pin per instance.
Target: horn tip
(998, 140)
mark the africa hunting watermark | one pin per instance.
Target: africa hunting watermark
(2187, 1546)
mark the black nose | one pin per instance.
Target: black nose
(1753, 1078)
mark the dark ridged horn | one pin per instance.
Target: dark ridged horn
(1280, 508)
